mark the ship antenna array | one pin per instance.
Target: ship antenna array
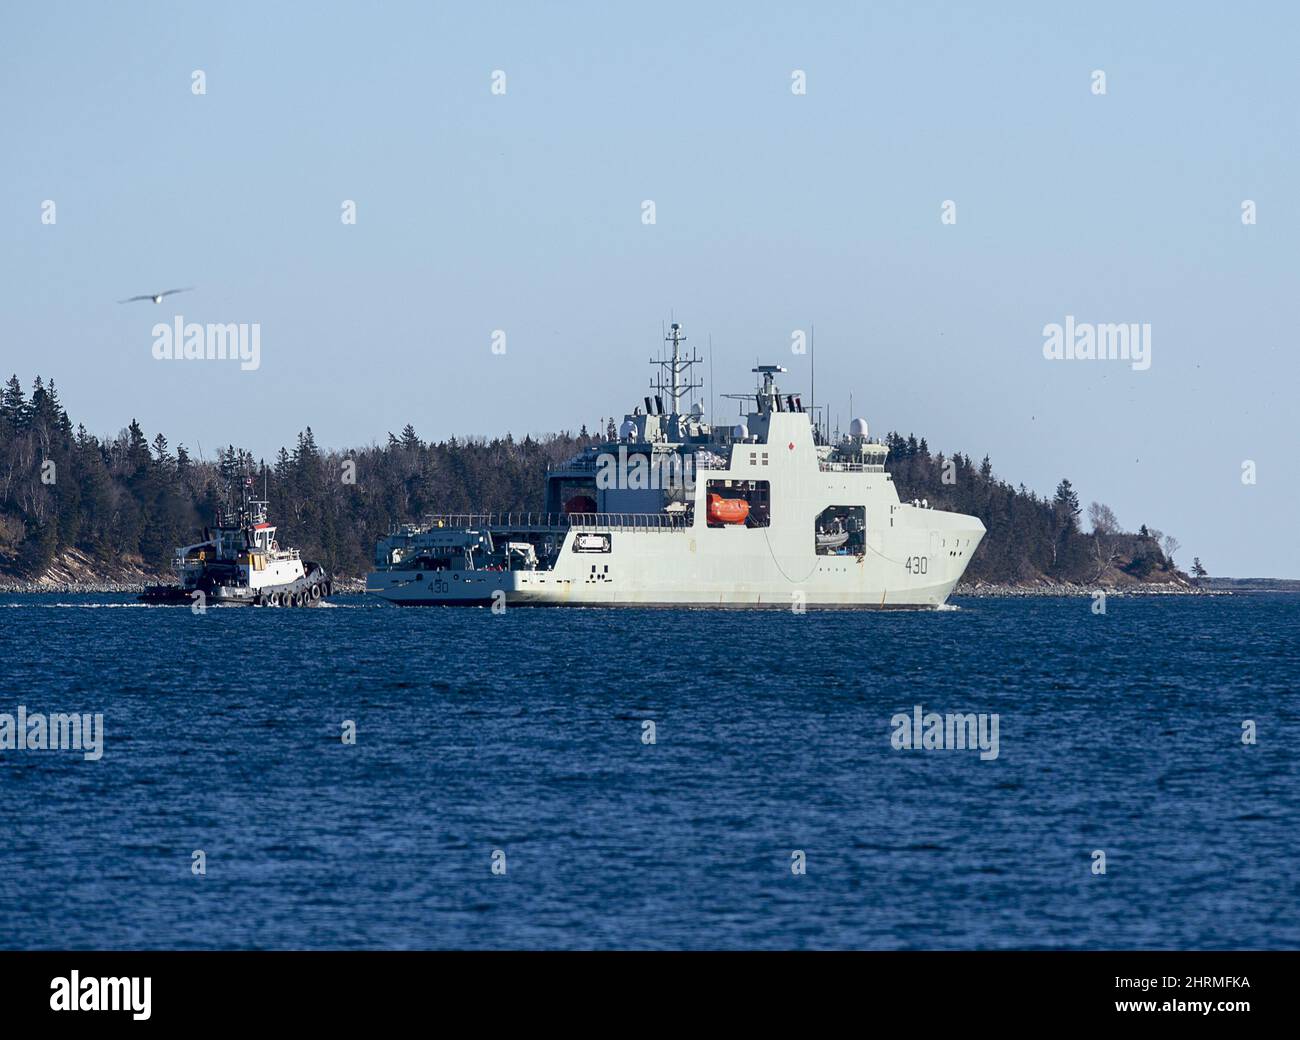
(713, 417)
(675, 378)
(812, 390)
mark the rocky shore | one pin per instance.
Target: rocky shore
(1046, 588)
(351, 586)
(73, 572)
(14, 586)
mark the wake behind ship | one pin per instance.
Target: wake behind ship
(670, 511)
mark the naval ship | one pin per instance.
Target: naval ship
(239, 562)
(669, 511)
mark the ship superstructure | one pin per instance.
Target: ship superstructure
(668, 510)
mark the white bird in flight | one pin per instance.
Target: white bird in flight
(156, 297)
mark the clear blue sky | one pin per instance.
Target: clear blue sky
(523, 212)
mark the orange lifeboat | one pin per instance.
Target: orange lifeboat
(727, 510)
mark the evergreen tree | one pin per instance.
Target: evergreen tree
(137, 449)
(1066, 501)
(162, 457)
(13, 405)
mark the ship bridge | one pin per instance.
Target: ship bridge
(769, 401)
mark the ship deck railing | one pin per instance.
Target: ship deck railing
(181, 564)
(557, 522)
(850, 467)
(591, 464)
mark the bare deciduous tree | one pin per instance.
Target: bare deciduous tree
(1170, 545)
(1105, 546)
(1103, 519)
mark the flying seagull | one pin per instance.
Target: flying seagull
(156, 297)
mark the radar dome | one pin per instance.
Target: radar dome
(741, 432)
(858, 428)
(627, 430)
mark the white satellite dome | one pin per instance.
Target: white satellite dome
(740, 432)
(628, 430)
(858, 428)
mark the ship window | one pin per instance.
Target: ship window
(738, 503)
(840, 531)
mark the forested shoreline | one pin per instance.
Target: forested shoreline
(1030, 537)
(132, 498)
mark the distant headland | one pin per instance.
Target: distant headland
(80, 511)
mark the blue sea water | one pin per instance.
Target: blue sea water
(523, 733)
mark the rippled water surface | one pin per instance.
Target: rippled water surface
(523, 733)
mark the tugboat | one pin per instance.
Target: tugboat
(239, 562)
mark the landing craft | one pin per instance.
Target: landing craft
(771, 512)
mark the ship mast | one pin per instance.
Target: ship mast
(674, 379)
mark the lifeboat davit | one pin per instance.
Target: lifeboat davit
(580, 504)
(727, 510)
